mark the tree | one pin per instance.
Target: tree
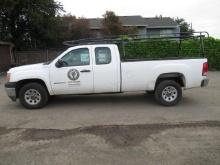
(29, 23)
(80, 29)
(111, 24)
(130, 30)
(184, 26)
(65, 27)
(73, 28)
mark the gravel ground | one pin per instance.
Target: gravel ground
(113, 129)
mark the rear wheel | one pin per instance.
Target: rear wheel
(168, 93)
(33, 96)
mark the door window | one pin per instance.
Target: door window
(102, 55)
(77, 57)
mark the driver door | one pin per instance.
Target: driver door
(75, 76)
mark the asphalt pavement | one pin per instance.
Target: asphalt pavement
(128, 128)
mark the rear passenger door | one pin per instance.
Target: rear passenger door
(106, 69)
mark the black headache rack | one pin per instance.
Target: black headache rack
(126, 41)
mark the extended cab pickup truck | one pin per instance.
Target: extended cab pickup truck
(97, 68)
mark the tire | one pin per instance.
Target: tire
(150, 92)
(168, 93)
(33, 96)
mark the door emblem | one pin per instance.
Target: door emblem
(73, 74)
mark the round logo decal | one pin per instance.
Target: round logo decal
(73, 74)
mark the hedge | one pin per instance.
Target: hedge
(189, 48)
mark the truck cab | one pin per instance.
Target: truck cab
(86, 69)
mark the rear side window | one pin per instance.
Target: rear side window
(102, 55)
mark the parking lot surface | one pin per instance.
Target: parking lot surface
(113, 129)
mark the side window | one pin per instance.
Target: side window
(102, 55)
(77, 57)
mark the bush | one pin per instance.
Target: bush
(153, 48)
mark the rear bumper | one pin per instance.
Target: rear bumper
(10, 89)
(205, 82)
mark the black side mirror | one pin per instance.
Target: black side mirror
(59, 63)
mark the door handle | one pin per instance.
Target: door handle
(85, 70)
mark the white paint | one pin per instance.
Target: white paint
(60, 82)
(142, 75)
(107, 76)
(127, 76)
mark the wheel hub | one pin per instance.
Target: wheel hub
(32, 96)
(169, 93)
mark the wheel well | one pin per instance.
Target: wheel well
(177, 77)
(21, 83)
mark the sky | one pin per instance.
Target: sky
(203, 14)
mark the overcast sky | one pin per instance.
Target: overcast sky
(203, 14)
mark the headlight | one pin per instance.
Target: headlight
(8, 77)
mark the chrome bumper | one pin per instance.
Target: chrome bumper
(10, 89)
(205, 82)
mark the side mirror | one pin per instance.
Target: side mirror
(59, 63)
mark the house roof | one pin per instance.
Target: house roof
(133, 21)
(160, 22)
(96, 23)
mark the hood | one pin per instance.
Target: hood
(26, 67)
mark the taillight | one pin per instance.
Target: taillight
(205, 69)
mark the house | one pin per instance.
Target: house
(5, 55)
(154, 27)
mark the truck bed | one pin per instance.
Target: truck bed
(142, 74)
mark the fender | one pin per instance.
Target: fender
(42, 75)
(168, 68)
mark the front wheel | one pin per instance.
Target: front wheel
(168, 93)
(33, 96)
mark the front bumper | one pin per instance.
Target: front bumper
(204, 82)
(10, 89)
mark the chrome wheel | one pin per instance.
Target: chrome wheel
(169, 94)
(32, 97)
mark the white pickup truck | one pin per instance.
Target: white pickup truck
(97, 68)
